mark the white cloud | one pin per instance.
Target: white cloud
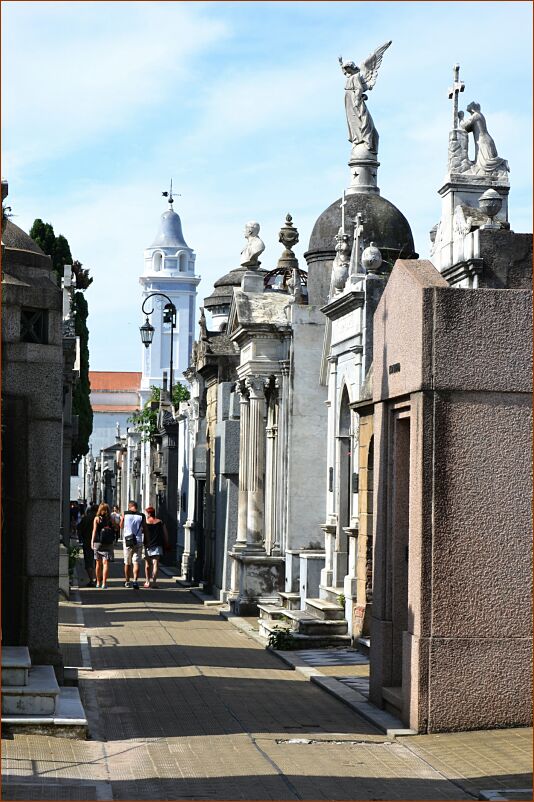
(93, 79)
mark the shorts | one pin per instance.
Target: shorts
(133, 554)
(153, 552)
(103, 554)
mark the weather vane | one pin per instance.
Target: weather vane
(170, 194)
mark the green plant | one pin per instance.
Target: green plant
(145, 420)
(58, 249)
(74, 551)
(281, 638)
(341, 600)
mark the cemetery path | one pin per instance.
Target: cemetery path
(182, 705)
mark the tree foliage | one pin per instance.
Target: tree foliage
(56, 247)
(59, 250)
(145, 420)
(81, 404)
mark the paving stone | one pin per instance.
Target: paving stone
(182, 705)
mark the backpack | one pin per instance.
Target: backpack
(107, 535)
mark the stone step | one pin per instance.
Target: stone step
(37, 698)
(68, 720)
(16, 664)
(271, 612)
(331, 594)
(299, 641)
(363, 645)
(290, 601)
(392, 698)
(306, 624)
(325, 609)
(266, 627)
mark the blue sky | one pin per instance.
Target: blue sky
(242, 104)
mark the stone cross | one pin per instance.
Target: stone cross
(457, 87)
(343, 204)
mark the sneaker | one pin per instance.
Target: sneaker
(135, 585)
(153, 583)
(146, 585)
(126, 585)
(103, 587)
(90, 584)
(97, 584)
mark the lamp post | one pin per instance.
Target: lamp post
(147, 330)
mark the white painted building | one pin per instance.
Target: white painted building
(170, 269)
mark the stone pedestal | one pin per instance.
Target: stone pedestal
(256, 578)
(252, 281)
(363, 172)
(462, 190)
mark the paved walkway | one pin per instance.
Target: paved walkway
(182, 705)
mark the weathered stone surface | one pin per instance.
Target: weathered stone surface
(44, 448)
(228, 446)
(507, 260)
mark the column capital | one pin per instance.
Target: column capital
(256, 386)
(242, 391)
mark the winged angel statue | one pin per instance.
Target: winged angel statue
(362, 131)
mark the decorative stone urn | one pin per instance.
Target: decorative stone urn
(490, 203)
(371, 259)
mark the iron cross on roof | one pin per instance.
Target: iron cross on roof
(170, 194)
(457, 87)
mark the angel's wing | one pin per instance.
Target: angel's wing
(369, 67)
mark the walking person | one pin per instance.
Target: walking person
(102, 542)
(156, 540)
(133, 528)
(116, 520)
(85, 535)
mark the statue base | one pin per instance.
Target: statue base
(252, 281)
(363, 172)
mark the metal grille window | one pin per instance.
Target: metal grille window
(34, 326)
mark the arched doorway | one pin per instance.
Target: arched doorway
(344, 460)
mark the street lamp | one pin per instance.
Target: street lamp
(147, 331)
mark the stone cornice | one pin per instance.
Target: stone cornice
(343, 304)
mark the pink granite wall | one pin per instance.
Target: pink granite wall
(467, 650)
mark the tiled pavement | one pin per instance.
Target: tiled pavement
(182, 705)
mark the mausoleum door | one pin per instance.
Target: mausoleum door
(398, 543)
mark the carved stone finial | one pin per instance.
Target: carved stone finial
(371, 258)
(288, 236)
(254, 247)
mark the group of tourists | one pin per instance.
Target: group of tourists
(144, 538)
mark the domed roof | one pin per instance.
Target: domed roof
(15, 237)
(223, 288)
(170, 232)
(382, 224)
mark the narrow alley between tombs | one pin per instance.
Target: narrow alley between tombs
(182, 705)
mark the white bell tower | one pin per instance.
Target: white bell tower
(170, 269)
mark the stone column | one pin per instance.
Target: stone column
(282, 456)
(256, 463)
(272, 536)
(329, 527)
(241, 539)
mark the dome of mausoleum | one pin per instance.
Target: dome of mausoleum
(15, 237)
(223, 289)
(382, 223)
(170, 232)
